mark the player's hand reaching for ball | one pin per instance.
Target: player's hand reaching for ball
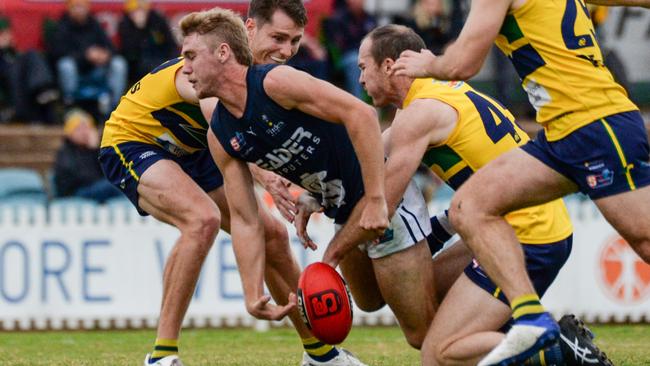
(263, 309)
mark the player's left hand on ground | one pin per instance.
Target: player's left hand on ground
(305, 206)
(262, 309)
(375, 215)
(413, 64)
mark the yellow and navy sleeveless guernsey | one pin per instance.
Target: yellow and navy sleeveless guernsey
(554, 50)
(153, 112)
(485, 130)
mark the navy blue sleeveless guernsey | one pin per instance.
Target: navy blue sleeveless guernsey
(313, 153)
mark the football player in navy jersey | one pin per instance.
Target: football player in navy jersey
(322, 139)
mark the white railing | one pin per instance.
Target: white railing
(72, 267)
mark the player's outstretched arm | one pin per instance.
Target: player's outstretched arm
(464, 58)
(423, 123)
(641, 3)
(247, 233)
(296, 89)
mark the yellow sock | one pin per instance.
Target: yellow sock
(318, 350)
(164, 348)
(526, 305)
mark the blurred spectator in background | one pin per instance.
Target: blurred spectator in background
(431, 20)
(612, 60)
(27, 87)
(311, 57)
(88, 68)
(76, 170)
(344, 31)
(146, 38)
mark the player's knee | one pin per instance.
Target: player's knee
(439, 353)
(466, 212)
(428, 354)
(204, 227)
(459, 214)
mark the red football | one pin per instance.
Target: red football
(324, 303)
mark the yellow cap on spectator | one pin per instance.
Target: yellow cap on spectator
(130, 5)
(76, 117)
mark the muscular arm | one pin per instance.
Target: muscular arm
(464, 58)
(423, 123)
(247, 232)
(641, 3)
(296, 89)
(272, 183)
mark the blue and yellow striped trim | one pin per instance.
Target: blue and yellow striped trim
(128, 166)
(620, 153)
(526, 305)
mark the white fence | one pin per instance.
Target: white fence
(89, 267)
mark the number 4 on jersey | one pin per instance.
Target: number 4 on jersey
(487, 110)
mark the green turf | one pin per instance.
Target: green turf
(626, 345)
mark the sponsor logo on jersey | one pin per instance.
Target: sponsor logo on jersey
(293, 152)
(275, 128)
(455, 84)
(237, 141)
(538, 96)
(147, 154)
(250, 131)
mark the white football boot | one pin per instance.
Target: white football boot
(345, 358)
(172, 360)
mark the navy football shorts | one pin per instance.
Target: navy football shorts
(543, 263)
(124, 164)
(604, 158)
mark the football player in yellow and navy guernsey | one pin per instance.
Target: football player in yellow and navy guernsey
(328, 142)
(456, 130)
(154, 149)
(593, 141)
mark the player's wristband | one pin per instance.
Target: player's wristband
(441, 231)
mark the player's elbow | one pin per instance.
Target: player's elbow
(363, 112)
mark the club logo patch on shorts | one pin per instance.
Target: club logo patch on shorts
(602, 179)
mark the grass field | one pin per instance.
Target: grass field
(627, 345)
